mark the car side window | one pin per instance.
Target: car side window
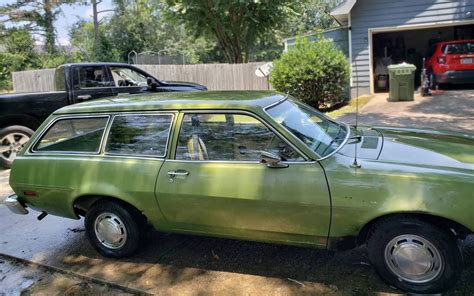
(74, 135)
(230, 137)
(93, 76)
(139, 135)
(127, 77)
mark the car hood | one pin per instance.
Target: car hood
(415, 147)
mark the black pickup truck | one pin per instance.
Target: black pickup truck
(22, 113)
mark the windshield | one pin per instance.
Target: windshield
(319, 133)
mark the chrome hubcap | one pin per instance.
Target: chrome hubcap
(413, 259)
(110, 230)
(11, 144)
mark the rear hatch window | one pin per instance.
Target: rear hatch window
(459, 48)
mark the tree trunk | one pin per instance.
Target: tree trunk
(50, 35)
(96, 26)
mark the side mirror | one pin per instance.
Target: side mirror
(272, 160)
(152, 82)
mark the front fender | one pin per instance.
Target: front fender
(378, 189)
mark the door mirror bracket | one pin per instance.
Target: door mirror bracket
(272, 160)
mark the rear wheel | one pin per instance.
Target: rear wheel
(113, 229)
(12, 140)
(415, 256)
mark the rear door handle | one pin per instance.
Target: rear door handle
(177, 173)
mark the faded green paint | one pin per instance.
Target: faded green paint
(402, 171)
(293, 202)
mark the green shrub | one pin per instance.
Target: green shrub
(316, 73)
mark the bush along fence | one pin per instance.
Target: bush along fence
(214, 76)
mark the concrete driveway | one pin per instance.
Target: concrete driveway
(446, 110)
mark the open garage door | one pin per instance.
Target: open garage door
(411, 45)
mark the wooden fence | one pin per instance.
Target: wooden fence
(33, 80)
(214, 76)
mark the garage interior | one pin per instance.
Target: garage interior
(410, 46)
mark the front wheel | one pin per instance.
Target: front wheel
(12, 140)
(415, 256)
(113, 229)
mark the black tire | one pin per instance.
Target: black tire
(6, 160)
(126, 219)
(443, 243)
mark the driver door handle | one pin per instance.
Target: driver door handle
(84, 97)
(172, 174)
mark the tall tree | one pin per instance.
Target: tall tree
(36, 16)
(142, 25)
(97, 21)
(85, 46)
(312, 15)
(18, 54)
(135, 25)
(235, 24)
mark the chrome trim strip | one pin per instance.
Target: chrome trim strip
(106, 135)
(348, 131)
(32, 151)
(152, 113)
(246, 112)
(236, 161)
(276, 103)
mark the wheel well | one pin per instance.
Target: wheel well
(19, 119)
(83, 203)
(457, 229)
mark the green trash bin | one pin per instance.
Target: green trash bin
(402, 82)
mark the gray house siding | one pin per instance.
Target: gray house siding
(372, 14)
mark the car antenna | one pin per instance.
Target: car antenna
(355, 164)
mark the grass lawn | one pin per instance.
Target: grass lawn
(350, 107)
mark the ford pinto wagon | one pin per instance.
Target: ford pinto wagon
(256, 166)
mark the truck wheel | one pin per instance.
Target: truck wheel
(415, 256)
(112, 229)
(12, 140)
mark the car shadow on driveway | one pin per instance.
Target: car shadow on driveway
(184, 263)
(174, 261)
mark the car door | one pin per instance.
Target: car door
(216, 182)
(91, 82)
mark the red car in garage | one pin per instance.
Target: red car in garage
(451, 62)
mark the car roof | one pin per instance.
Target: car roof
(110, 64)
(178, 101)
(455, 41)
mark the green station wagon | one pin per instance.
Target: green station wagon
(256, 166)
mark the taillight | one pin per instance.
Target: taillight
(441, 60)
